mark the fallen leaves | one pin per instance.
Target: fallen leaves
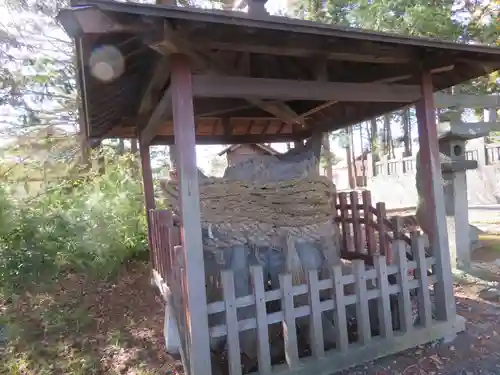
(87, 327)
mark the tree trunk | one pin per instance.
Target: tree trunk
(133, 146)
(405, 117)
(387, 135)
(363, 166)
(172, 153)
(374, 149)
(121, 147)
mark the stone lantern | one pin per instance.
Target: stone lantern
(453, 134)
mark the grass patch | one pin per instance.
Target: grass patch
(490, 242)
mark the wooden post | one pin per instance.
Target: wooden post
(184, 131)
(149, 195)
(435, 209)
(147, 178)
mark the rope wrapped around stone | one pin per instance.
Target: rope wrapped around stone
(238, 212)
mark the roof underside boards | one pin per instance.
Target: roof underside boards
(234, 44)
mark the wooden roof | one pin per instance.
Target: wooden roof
(231, 51)
(267, 149)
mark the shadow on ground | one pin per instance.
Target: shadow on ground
(471, 352)
(83, 326)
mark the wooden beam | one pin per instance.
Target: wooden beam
(434, 200)
(280, 110)
(264, 88)
(236, 139)
(391, 79)
(161, 113)
(184, 130)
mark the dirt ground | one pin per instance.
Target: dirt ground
(88, 327)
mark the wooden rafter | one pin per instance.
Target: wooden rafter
(162, 111)
(156, 83)
(172, 42)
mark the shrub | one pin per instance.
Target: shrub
(91, 224)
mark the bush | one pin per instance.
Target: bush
(92, 224)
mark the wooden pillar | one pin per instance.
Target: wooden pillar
(149, 194)
(184, 131)
(147, 178)
(435, 208)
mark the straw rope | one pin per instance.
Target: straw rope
(292, 203)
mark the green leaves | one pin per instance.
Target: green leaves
(466, 22)
(89, 222)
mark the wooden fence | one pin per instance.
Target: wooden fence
(373, 339)
(487, 154)
(365, 229)
(382, 256)
(167, 257)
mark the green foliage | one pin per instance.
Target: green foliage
(92, 224)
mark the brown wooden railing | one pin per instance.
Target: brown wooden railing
(164, 237)
(365, 229)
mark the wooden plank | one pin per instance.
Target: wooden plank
(424, 298)
(315, 324)
(346, 236)
(339, 312)
(404, 302)
(356, 224)
(266, 88)
(264, 351)
(165, 218)
(190, 211)
(368, 217)
(382, 232)
(435, 210)
(233, 335)
(397, 227)
(289, 328)
(384, 303)
(161, 113)
(362, 309)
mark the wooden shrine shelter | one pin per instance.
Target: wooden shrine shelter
(171, 75)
